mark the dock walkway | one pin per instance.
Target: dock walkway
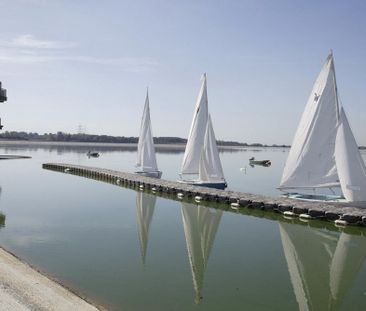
(343, 215)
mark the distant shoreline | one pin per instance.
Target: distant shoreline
(4, 142)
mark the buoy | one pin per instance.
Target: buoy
(118, 181)
(141, 186)
(180, 195)
(153, 189)
(197, 198)
(305, 216)
(340, 223)
(67, 170)
(289, 214)
(235, 205)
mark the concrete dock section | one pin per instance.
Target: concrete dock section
(23, 288)
(340, 215)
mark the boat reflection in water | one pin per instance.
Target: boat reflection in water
(200, 227)
(2, 216)
(145, 204)
(322, 264)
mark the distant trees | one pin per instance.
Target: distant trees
(67, 137)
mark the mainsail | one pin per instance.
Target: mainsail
(311, 161)
(146, 159)
(210, 168)
(196, 136)
(350, 165)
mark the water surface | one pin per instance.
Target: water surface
(131, 250)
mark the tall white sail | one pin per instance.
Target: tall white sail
(196, 136)
(210, 168)
(200, 227)
(350, 165)
(145, 205)
(311, 161)
(146, 158)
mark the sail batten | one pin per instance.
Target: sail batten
(146, 158)
(311, 161)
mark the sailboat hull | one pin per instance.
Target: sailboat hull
(217, 185)
(154, 174)
(334, 199)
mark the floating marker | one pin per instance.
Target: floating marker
(118, 181)
(180, 195)
(141, 186)
(153, 189)
(67, 170)
(340, 223)
(289, 214)
(235, 205)
(197, 198)
(305, 216)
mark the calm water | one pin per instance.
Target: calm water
(130, 250)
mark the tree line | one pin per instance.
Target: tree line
(90, 138)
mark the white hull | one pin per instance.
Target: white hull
(334, 199)
(209, 184)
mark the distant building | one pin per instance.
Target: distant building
(3, 97)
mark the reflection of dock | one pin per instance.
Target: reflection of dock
(319, 210)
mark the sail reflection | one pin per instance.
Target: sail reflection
(200, 227)
(322, 264)
(145, 204)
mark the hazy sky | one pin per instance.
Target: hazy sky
(88, 62)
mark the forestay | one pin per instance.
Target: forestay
(210, 168)
(146, 159)
(311, 161)
(196, 136)
(350, 165)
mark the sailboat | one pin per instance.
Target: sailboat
(146, 158)
(324, 153)
(201, 158)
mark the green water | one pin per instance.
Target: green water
(131, 250)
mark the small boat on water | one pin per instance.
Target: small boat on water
(324, 153)
(92, 154)
(201, 162)
(253, 161)
(146, 158)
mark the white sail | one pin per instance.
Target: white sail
(146, 159)
(195, 140)
(200, 227)
(145, 205)
(350, 165)
(210, 168)
(311, 161)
